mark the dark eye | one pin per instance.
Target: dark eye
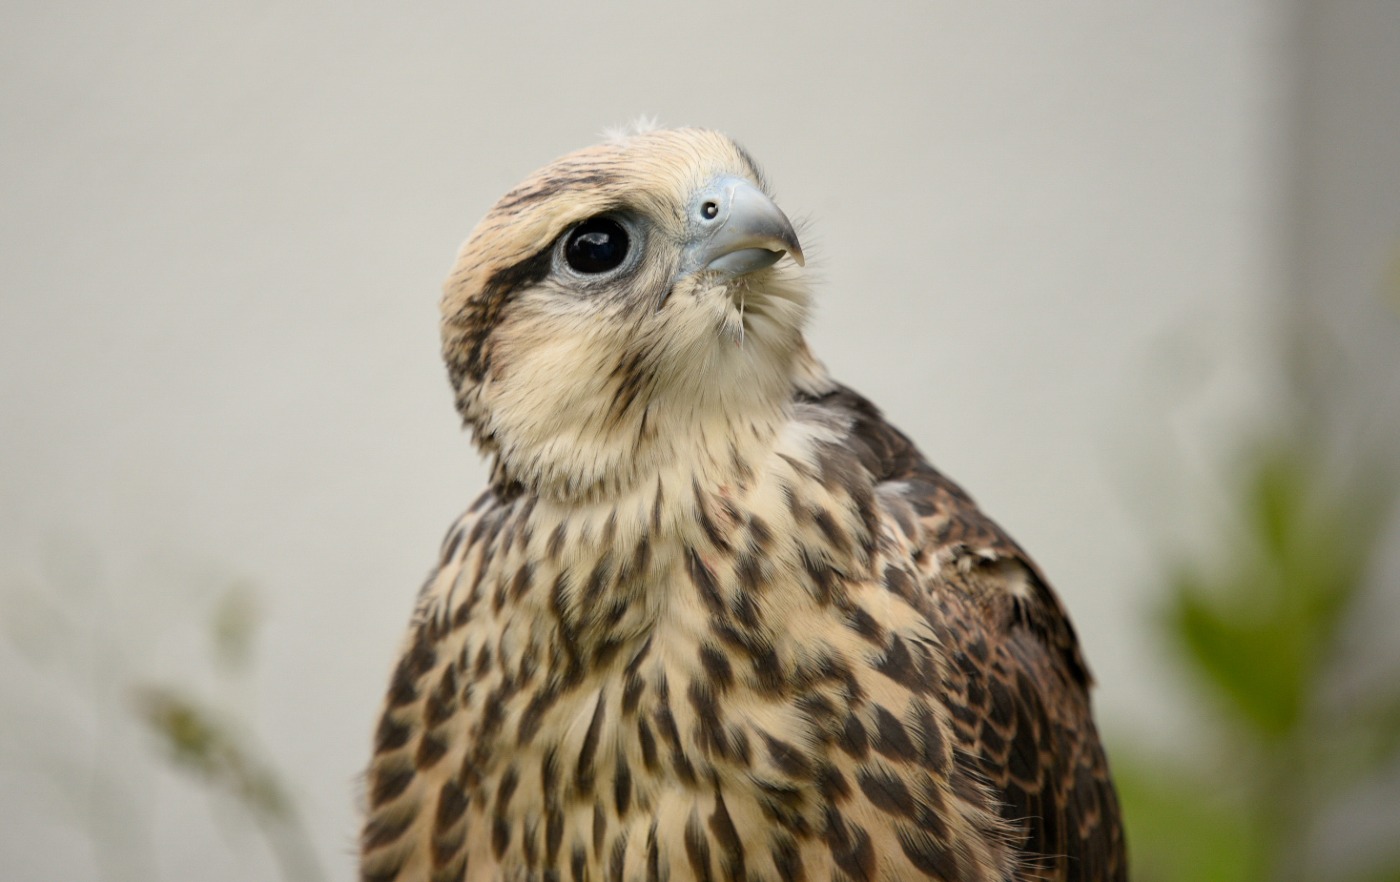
(597, 245)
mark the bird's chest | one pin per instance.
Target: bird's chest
(692, 743)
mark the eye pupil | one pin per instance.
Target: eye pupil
(710, 210)
(597, 245)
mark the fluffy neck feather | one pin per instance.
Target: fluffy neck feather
(712, 426)
(583, 418)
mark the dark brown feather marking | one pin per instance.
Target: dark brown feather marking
(481, 314)
(886, 791)
(622, 787)
(850, 847)
(697, 849)
(929, 855)
(727, 841)
(584, 770)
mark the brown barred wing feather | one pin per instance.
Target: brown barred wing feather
(1015, 681)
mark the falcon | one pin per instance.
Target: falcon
(714, 619)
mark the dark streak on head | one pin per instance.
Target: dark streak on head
(470, 357)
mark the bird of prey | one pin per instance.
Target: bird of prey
(714, 619)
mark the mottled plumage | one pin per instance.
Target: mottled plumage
(715, 618)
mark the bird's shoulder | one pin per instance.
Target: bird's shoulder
(1011, 671)
(954, 546)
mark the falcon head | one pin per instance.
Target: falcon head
(627, 306)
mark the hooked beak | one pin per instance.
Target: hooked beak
(736, 229)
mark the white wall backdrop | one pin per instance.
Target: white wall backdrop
(1049, 238)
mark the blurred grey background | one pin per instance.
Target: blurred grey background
(1058, 242)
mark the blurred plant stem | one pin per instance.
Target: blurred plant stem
(68, 633)
(208, 748)
(220, 756)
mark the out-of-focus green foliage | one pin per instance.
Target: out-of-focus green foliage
(1264, 633)
(1262, 637)
(1178, 828)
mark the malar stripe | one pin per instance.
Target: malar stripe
(482, 313)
